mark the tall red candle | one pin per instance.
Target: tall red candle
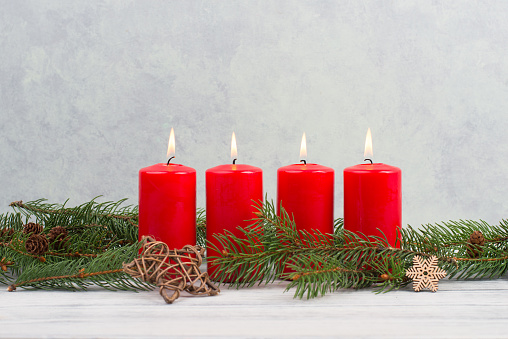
(305, 191)
(231, 191)
(373, 198)
(167, 202)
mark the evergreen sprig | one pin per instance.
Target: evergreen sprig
(101, 237)
(321, 263)
(105, 271)
(120, 220)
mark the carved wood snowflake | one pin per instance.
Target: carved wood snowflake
(425, 273)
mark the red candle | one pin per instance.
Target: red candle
(231, 191)
(373, 198)
(306, 193)
(167, 202)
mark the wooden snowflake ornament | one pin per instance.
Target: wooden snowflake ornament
(425, 273)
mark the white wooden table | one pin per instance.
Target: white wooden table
(460, 309)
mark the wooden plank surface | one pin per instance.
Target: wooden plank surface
(460, 309)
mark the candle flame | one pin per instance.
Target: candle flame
(368, 154)
(234, 152)
(303, 148)
(171, 144)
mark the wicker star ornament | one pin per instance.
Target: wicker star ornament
(172, 271)
(425, 273)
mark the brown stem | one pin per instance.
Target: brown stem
(41, 258)
(498, 239)
(27, 254)
(335, 269)
(480, 259)
(86, 226)
(80, 275)
(445, 245)
(76, 254)
(4, 264)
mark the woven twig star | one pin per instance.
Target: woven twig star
(425, 273)
(172, 271)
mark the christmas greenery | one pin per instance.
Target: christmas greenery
(86, 245)
(321, 263)
(97, 238)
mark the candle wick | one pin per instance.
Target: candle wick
(234, 161)
(304, 161)
(369, 160)
(169, 160)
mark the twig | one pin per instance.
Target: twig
(480, 259)
(80, 275)
(41, 258)
(76, 254)
(335, 269)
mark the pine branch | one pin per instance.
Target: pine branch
(324, 263)
(266, 247)
(95, 232)
(122, 221)
(105, 270)
(101, 236)
(109, 209)
(313, 278)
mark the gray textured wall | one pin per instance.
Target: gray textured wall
(90, 89)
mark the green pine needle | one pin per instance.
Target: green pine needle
(322, 263)
(102, 236)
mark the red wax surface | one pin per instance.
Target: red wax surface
(306, 193)
(167, 204)
(372, 200)
(231, 191)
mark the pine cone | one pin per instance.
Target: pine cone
(6, 234)
(475, 243)
(58, 237)
(32, 228)
(37, 244)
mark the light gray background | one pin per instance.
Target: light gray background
(90, 89)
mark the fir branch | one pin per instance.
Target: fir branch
(105, 270)
(265, 248)
(74, 255)
(102, 234)
(330, 276)
(109, 209)
(201, 227)
(324, 263)
(111, 213)
(98, 234)
(80, 275)
(22, 252)
(110, 223)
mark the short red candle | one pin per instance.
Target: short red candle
(306, 193)
(231, 192)
(167, 204)
(373, 200)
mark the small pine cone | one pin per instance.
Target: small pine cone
(58, 237)
(37, 244)
(6, 234)
(475, 243)
(32, 228)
